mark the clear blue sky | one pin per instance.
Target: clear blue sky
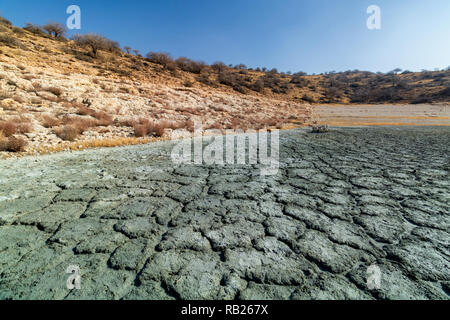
(292, 35)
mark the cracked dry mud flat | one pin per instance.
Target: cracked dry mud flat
(140, 228)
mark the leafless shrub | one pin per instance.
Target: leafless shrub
(230, 79)
(50, 122)
(8, 128)
(127, 49)
(144, 127)
(103, 119)
(67, 133)
(189, 65)
(258, 85)
(55, 29)
(96, 42)
(24, 127)
(162, 58)
(12, 144)
(205, 79)
(219, 66)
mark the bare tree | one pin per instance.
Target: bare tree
(55, 29)
(96, 42)
(219, 66)
(127, 49)
(161, 58)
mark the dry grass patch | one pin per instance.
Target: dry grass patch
(95, 143)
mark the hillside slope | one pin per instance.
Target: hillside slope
(56, 96)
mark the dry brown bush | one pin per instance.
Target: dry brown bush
(161, 58)
(8, 128)
(13, 144)
(80, 123)
(24, 127)
(96, 42)
(189, 65)
(55, 29)
(50, 122)
(9, 40)
(140, 130)
(103, 119)
(145, 127)
(158, 130)
(67, 133)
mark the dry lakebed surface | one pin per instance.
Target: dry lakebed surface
(140, 227)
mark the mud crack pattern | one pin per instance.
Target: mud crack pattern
(141, 228)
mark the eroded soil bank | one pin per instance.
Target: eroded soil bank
(140, 227)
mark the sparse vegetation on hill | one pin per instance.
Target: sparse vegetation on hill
(58, 94)
(87, 88)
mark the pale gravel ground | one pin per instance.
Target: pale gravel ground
(141, 228)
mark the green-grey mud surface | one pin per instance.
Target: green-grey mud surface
(140, 227)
